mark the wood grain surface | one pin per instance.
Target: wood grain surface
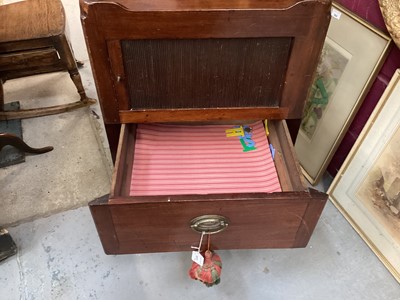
(277, 220)
(31, 19)
(161, 61)
(107, 24)
(227, 72)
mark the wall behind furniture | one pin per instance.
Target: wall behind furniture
(369, 11)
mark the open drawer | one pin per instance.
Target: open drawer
(139, 224)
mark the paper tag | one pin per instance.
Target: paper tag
(272, 151)
(336, 14)
(198, 258)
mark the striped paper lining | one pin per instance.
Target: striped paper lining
(183, 160)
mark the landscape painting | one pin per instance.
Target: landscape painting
(380, 190)
(366, 189)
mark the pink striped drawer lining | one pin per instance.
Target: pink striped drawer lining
(183, 160)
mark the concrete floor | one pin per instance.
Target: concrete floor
(58, 180)
(60, 256)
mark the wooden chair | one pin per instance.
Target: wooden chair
(33, 41)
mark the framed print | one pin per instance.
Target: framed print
(351, 57)
(367, 188)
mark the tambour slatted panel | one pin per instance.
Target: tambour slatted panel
(179, 160)
(205, 73)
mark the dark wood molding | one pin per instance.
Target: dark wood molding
(210, 114)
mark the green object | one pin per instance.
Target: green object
(245, 147)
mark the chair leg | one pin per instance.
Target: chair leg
(7, 139)
(67, 59)
(1, 95)
(65, 52)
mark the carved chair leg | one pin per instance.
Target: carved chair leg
(7, 139)
(1, 95)
(65, 51)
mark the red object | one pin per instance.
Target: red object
(210, 272)
(186, 160)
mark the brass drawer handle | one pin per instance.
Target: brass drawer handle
(209, 224)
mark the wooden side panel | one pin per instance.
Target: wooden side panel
(100, 63)
(288, 154)
(310, 219)
(303, 63)
(282, 168)
(117, 72)
(286, 163)
(120, 161)
(102, 217)
(127, 163)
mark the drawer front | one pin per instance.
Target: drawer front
(279, 220)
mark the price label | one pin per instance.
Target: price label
(336, 14)
(198, 258)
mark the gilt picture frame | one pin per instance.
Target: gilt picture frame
(353, 54)
(367, 188)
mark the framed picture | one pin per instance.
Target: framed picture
(367, 187)
(352, 55)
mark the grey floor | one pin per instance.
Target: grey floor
(59, 253)
(60, 257)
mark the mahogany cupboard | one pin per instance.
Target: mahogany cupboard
(204, 62)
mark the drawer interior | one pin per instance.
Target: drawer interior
(287, 168)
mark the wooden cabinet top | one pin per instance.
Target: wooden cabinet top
(184, 5)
